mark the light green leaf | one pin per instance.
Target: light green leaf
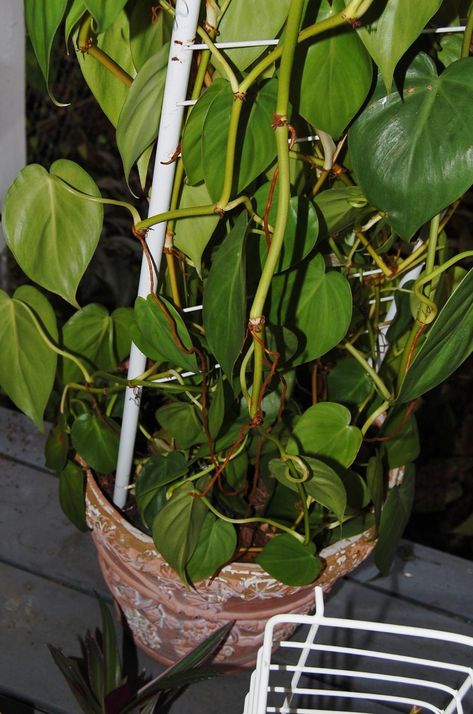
(341, 208)
(76, 10)
(224, 302)
(289, 561)
(66, 230)
(43, 18)
(317, 306)
(181, 421)
(96, 438)
(147, 33)
(153, 335)
(28, 365)
(394, 518)
(217, 544)
(339, 69)
(390, 28)
(399, 141)
(451, 49)
(176, 528)
(104, 13)
(193, 234)
(324, 430)
(448, 344)
(72, 494)
(109, 91)
(138, 123)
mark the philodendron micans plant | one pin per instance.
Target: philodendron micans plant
(315, 187)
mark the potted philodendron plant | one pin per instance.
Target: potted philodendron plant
(310, 215)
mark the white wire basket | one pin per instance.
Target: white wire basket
(340, 665)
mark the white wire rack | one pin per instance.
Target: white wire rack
(343, 665)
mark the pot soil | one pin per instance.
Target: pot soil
(167, 620)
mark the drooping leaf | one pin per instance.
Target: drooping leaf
(95, 666)
(316, 305)
(224, 311)
(66, 228)
(302, 228)
(376, 486)
(341, 208)
(290, 561)
(28, 365)
(43, 18)
(339, 69)
(78, 685)
(324, 431)
(96, 438)
(389, 29)
(394, 518)
(111, 652)
(161, 333)
(147, 33)
(177, 526)
(104, 13)
(181, 422)
(193, 234)
(348, 382)
(403, 445)
(448, 344)
(138, 123)
(72, 494)
(159, 471)
(398, 141)
(217, 543)
(75, 12)
(57, 446)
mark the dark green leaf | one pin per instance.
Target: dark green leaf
(79, 687)
(341, 208)
(375, 481)
(316, 305)
(216, 412)
(399, 140)
(193, 234)
(111, 652)
(326, 487)
(95, 667)
(403, 316)
(324, 431)
(217, 544)
(339, 69)
(403, 444)
(155, 333)
(72, 494)
(182, 422)
(159, 471)
(57, 446)
(394, 518)
(348, 382)
(43, 18)
(289, 561)
(96, 438)
(104, 13)
(448, 344)
(66, 228)
(28, 365)
(148, 34)
(224, 309)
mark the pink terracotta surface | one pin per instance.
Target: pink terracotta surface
(168, 620)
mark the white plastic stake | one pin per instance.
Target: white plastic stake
(175, 91)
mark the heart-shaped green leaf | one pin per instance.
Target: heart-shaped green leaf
(394, 517)
(181, 422)
(138, 123)
(407, 162)
(339, 69)
(224, 310)
(324, 430)
(96, 438)
(72, 494)
(193, 234)
(448, 344)
(402, 445)
(326, 487)
(348, 382)
(57, 446)
(67, 228)
(155, 330)
(390, 28)
(217, 544)
(104, 13)
(28, 365)
(316, 305)
(43, 18)
(159, 471)
(290, 561)
(147, 37)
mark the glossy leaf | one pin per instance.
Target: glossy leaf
(302, 228)
(138, 123)
(104, 13)
(28, 365)
(66, 228)
(216, 546)
(43, 18)
(257, 147)
(181, 421)
(389, 29)
(448, 344)
(159, 471)
(348, 382)
(109, 91)
(57, 446)
(224, 309)
(147, 33)
(177, 526)
(451, 49)
(74, 14)
(341, 208)
(193, 234)
(394, 518)
(324, 431)
(289, 561)
(339, 69)
(72, 494)
(96, 438)
(314, 304)
(240, 21)
(399, 141)
(153, 334)
(96, 337)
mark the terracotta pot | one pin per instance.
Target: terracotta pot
(167, 620)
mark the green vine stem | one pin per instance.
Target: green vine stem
(219, 58)
(376, 379)
(428, 309)
(372, 417)
(432, 308)
(466, 44)
(85, 44)
(99, 199)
